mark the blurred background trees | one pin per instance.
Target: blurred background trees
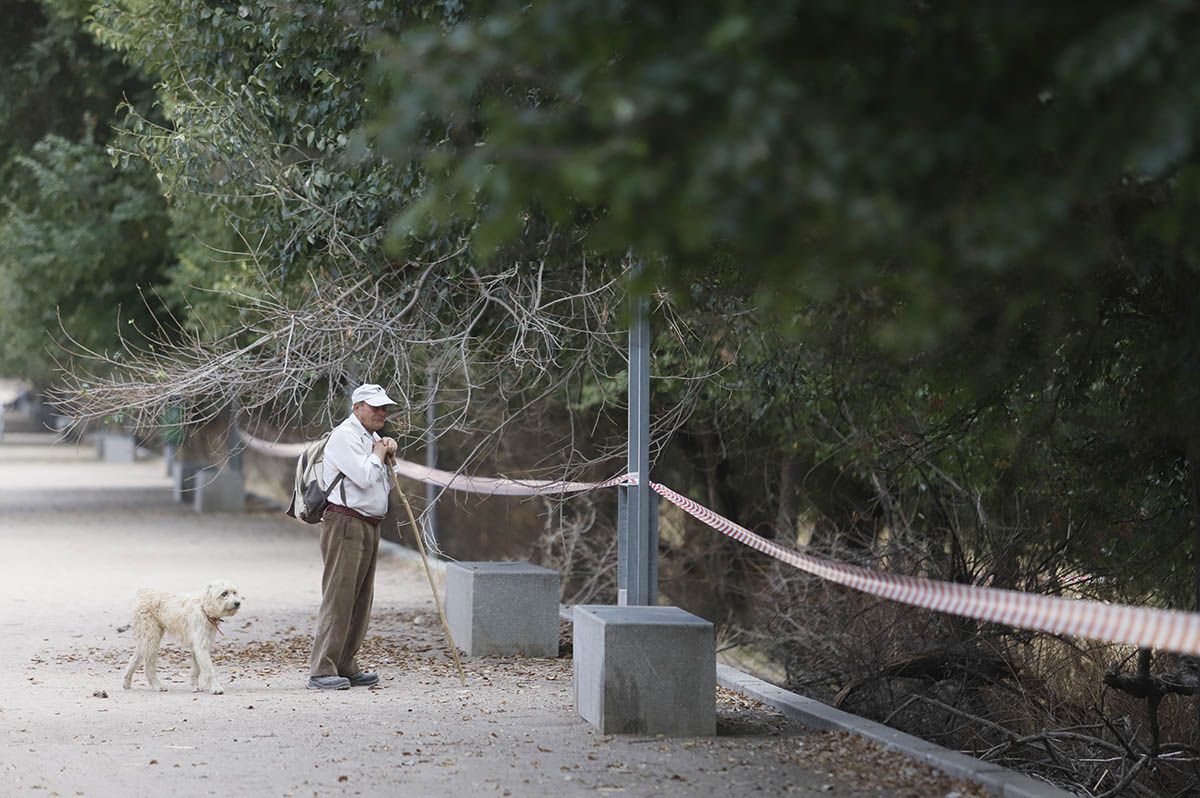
(78, 240)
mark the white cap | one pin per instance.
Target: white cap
(371, 394)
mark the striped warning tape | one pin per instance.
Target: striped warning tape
(488, 486)
(272, 448)
(500, 486)
(1165, 629)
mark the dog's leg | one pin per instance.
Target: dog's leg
(195, 673)
(134, 661)
(151, 659)
(208, 674)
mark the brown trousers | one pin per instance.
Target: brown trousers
(349, 548)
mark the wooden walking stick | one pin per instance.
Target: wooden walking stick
(462, 677)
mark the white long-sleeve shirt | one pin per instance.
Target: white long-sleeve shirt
(366, 482)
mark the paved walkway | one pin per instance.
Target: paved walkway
(78, 538)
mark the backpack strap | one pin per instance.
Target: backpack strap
(334, 484)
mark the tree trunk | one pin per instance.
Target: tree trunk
(1194, 472)
(785, 518)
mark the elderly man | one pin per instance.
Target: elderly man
(350, 540)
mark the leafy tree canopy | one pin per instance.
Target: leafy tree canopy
(77, 240)
(259, 104)
(260, 101)
(975, 219)
(55, 78)
(79, 244)
(957, 170)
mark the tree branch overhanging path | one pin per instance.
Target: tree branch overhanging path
(496, 344)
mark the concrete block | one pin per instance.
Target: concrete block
(503, 608)
(115, 447)
(183, 481)
(645, 670)
(219, 490)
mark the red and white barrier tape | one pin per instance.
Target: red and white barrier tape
(487, 486)
(1165, 629)
(499, 486)
(272, 448)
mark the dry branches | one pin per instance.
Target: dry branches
(487, 347)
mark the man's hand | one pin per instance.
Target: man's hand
(384, 448)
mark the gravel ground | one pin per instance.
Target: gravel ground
(79, 537)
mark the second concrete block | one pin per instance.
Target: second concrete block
(503, 608)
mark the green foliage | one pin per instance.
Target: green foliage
(80, 241)
(972, 225)
(54, 78)
(74, 235)
(261, 101)
(962, 166)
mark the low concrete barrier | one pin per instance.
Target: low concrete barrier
(503, 608)
(115, 447)
(645, 670)
(219, 490)
(183, 481)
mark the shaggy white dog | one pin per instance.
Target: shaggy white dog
(193, 619)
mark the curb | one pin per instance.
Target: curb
(822, 717)
(815, 715)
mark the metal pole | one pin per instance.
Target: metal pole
(431, 458)
(235, 438)
(637, 544)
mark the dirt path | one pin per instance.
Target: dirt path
(77, 538)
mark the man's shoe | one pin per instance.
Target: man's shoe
(364, 679)
(328, 683)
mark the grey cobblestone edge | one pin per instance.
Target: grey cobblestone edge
(815, 715)
(822, 717)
